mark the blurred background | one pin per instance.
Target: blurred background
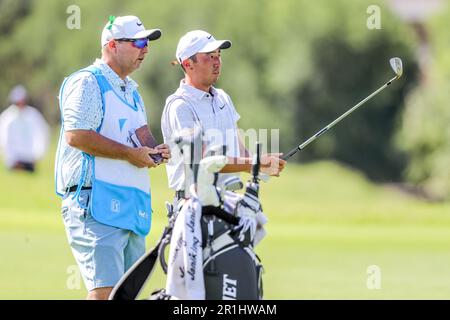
(372, 194)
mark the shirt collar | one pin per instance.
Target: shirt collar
(196, 93)
(113, 77)
(16, 109)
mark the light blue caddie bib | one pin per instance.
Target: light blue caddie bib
(120, 194)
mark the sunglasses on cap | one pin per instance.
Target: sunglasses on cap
(137, 43)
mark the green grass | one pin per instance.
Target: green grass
(327, 224)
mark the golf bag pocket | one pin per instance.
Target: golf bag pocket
(231, 269)
(231, 274)
(259, 272)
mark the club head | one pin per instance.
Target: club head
(397, 66)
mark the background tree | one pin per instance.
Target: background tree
(295, 65)
(425, 129)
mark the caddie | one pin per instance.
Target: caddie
(101, 173)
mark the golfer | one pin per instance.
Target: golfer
(100, 174)
(196, 103)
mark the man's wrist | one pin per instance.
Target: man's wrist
(126, 152)
(240, 164)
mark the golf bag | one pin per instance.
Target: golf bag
(232, 271)
(228, 268)
(211, 235)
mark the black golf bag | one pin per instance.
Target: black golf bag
(230, 270)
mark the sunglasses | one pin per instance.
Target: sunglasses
(137, 43)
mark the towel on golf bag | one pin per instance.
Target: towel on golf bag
(184, 270)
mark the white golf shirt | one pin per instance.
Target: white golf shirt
(213, 111)
(24, 135)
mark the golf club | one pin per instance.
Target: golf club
(396, 65)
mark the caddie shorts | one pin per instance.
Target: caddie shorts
(103, 253)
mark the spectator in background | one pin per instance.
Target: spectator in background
(24, 133)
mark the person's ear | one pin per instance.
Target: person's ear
(112, 45)
(187, 64)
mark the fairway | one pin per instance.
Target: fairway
(354, 93)
(327, 225)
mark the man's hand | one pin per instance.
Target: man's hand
(140, 157)
(164, 150)
(272, 164)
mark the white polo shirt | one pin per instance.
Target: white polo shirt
(24, 135)
(213, 111)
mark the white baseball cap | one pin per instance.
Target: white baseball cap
(127, 27)
(18, 93)
(198, 41)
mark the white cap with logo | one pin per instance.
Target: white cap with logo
(18, 93)
(127, 27)
(198, 41)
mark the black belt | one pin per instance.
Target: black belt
(74, 188)
(179, 194)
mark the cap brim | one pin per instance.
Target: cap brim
(152, 34)
(218, 44)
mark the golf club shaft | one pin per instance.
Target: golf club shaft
(329, 126)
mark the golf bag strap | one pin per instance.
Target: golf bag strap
(165, 241)
(221, 214)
